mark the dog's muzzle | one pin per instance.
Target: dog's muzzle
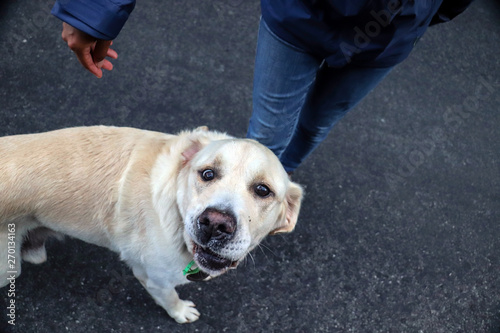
(214, 229)
(215, 226)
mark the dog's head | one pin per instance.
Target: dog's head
(234, 193)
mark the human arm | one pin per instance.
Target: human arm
(90, 26)
(91, 52)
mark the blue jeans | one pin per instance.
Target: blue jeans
(297, 98)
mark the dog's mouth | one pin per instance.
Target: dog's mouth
(210, 261)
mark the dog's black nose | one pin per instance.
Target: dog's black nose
(215, 224)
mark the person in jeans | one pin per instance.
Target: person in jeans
(315, 59)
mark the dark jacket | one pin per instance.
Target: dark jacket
(364, 32)
(378, 33)
(103, 19)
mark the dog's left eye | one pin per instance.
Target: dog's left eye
(208, 175)
(262, 191)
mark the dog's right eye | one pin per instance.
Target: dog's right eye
(208, 175)
(262, 191)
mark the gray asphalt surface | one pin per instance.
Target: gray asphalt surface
(399, 231)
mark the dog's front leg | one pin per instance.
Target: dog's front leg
(163, 292)
(182, 311)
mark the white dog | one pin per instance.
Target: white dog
(160, 201)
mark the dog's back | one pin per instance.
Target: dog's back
(61, 181)
(43, 172)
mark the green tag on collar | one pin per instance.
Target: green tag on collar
(189, 271)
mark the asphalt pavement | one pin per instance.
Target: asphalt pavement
(399, 230)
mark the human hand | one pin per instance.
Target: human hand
(90, 51)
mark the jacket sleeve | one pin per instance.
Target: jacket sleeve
(449, 9)
(102, 19)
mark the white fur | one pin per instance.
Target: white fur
(139, 193)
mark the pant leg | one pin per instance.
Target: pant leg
(334, 93)
(282, 77)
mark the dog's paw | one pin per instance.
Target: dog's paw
(184, 312)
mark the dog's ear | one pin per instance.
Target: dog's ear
(196, 140)
(292, 204)
(201, 129)
(188, 153)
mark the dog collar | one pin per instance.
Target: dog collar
(188, 270)
(195, 274)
